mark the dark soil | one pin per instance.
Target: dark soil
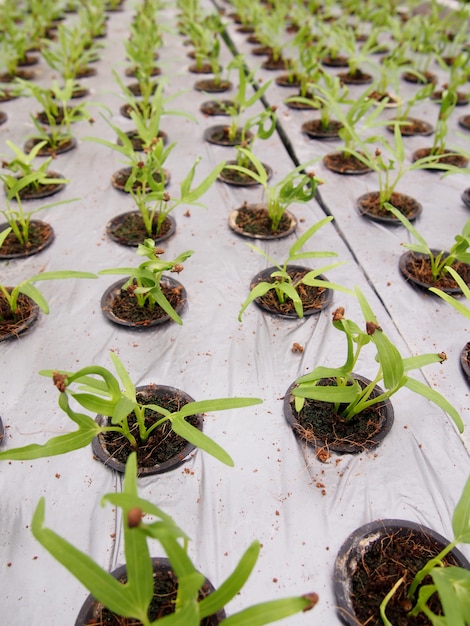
(7, 95)
(320, 424)
(219, 135)
(466, 197)
(125, 306)
(315, 129)
(232, 177)
(256, 221)
(419, 267)
(262, 51)
(204, 68)
(31, 192)
(428, 77)
(210, 85)
(216, 107)
(63, 144)
(120, 178)
(413, 126)
(355, 78)
(448, 157)
(39, 234)
(28, 60)
(136, 88)
(137, 141)
(12, 324)
(87, 72)
(379, 97)
(344, 163)
(313, 298)
(6, 77)
(3, 117)
(302, 106)
(163, 443)
(462, 98)
(276, 64)
(130, 229)
(288, 80)
(337, 61)
(132, 72)
(369, 205)
(464, 122)
(389, 558)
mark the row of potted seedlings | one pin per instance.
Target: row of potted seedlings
(285, 287)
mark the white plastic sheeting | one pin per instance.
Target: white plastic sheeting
(300, 509)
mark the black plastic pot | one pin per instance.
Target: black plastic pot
(314, 130)
(217, 136)
(466, 197)
(113, 226)
(343, 447)
(146, 394)
(241, 180)
(67, 144)
(23, 325)
(402, 264)
(43, 191)
(33, 249)
(161, 566)
(465, 360)
(412, 214)
(359, 543)
(413, 127)
(119, 178)
(265, 276)
(232, 222)
(113, 292)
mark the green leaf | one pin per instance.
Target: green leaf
(327, 393)
(233, 584)
(453, 586)
(105, 588)
(435, 396)
(200, 440)
(461, 516)
(268, 612)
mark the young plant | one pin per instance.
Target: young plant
(446, 108)
(241, 102)
(451, 583)
(296, 186)
(99, 391)
(18, 219)
(404, 107)
(145, 280)
(283, 284)
(155, 204)
(133, 598)
(443, 259)
(349, 397)
(55, 102)
(70, 53)
(23, 173)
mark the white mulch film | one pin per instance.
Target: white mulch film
(300, 509)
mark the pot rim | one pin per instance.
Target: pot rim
(160, 564)
(356, 545)
(117, 220)
(39, 248)
(26, 325)
(100, 452)
(386, 219)
(114, 289)
(232, 222)
(373, 442)
(456, 291)
(266, 274)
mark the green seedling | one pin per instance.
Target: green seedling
(441, 260)
(92, 18)
(70, 52)
(60, 116)
(283, 285)
(23, 173)
(155, 203)
(295, 187)
(451, 583)
(132, 599)
(99, 391)
(347, 394)
(145, 280)
(19, 220)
